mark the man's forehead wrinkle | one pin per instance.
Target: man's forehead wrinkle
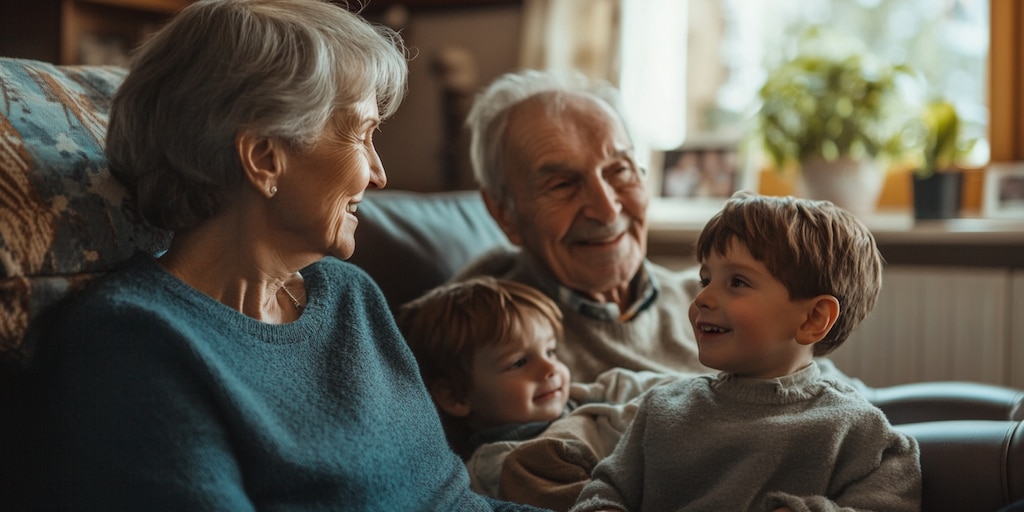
(614, 156)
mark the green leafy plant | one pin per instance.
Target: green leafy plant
(942, 144)
(821, 105)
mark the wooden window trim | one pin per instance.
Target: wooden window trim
(1006, 80)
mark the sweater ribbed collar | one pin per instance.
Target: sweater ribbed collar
(800, 385)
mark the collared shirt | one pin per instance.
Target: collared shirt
(643, 287)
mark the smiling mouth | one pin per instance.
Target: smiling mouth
(711, 329)
(351, 207)
(603, 241)
(548, 395)
(606, 241)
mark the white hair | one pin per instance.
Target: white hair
(488, 118)
(280, 68)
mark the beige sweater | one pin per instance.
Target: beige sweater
(551, 469)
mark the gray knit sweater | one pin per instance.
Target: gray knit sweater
(720, 442)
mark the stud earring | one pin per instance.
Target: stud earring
(273, 190)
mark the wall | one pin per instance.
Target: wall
(411, 144)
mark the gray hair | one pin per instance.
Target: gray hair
(488, 118)
(280, 68)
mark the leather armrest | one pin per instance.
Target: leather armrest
(969, 464)
(948, 400)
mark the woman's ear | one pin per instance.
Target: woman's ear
(262, 160)
(451, 402)
(504, 216)
(822, 315)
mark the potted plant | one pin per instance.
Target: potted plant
(937, 180)
(836, 118)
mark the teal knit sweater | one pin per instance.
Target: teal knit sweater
(161, 398)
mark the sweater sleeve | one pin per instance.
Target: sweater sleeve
(619, 385)
(894, 483)
(484, 466)
(617, 481)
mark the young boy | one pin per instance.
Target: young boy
(784, 280)
(486, 348)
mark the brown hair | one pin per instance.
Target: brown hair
(813, 247)
(446, 326)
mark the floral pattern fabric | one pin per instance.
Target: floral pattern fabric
(63, 218)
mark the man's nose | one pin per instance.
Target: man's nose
(602, 201)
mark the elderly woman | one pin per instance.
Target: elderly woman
(248, 367)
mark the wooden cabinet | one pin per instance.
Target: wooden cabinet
(80, 31)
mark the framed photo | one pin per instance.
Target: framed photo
(1004, 191)
(709, 168)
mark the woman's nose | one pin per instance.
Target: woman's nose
(378, 178)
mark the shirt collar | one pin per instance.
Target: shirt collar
(643, 287)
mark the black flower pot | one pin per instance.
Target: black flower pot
(938, 195)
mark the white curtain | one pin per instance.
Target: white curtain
(638, 45)
(567, 35)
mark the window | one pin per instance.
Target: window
(945, 41)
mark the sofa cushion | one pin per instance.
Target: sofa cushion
(411, 242)
(63, 218)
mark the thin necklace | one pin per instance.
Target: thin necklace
(295, 301)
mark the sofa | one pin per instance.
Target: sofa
(64, 220)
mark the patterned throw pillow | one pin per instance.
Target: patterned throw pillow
(63, 218)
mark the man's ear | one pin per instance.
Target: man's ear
(822, 315)
(262, 160)
(455, 404)
(504, 216)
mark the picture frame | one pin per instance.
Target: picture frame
(705, 169)
(1003, 191)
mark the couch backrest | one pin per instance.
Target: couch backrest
(63, 218)
(410, 242)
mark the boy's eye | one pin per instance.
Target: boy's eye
(518, 363)
(737, 282)
(704, 282)
(552, 354)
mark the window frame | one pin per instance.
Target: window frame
(1006, 80)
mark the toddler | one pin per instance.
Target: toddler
(487, 350)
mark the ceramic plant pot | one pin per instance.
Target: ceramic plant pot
(853, 185)
(937, 196)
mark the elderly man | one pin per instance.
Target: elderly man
(558, 174)
(557, 171)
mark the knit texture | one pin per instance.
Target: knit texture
(161, 398)
(550, 467)
(720, 442)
